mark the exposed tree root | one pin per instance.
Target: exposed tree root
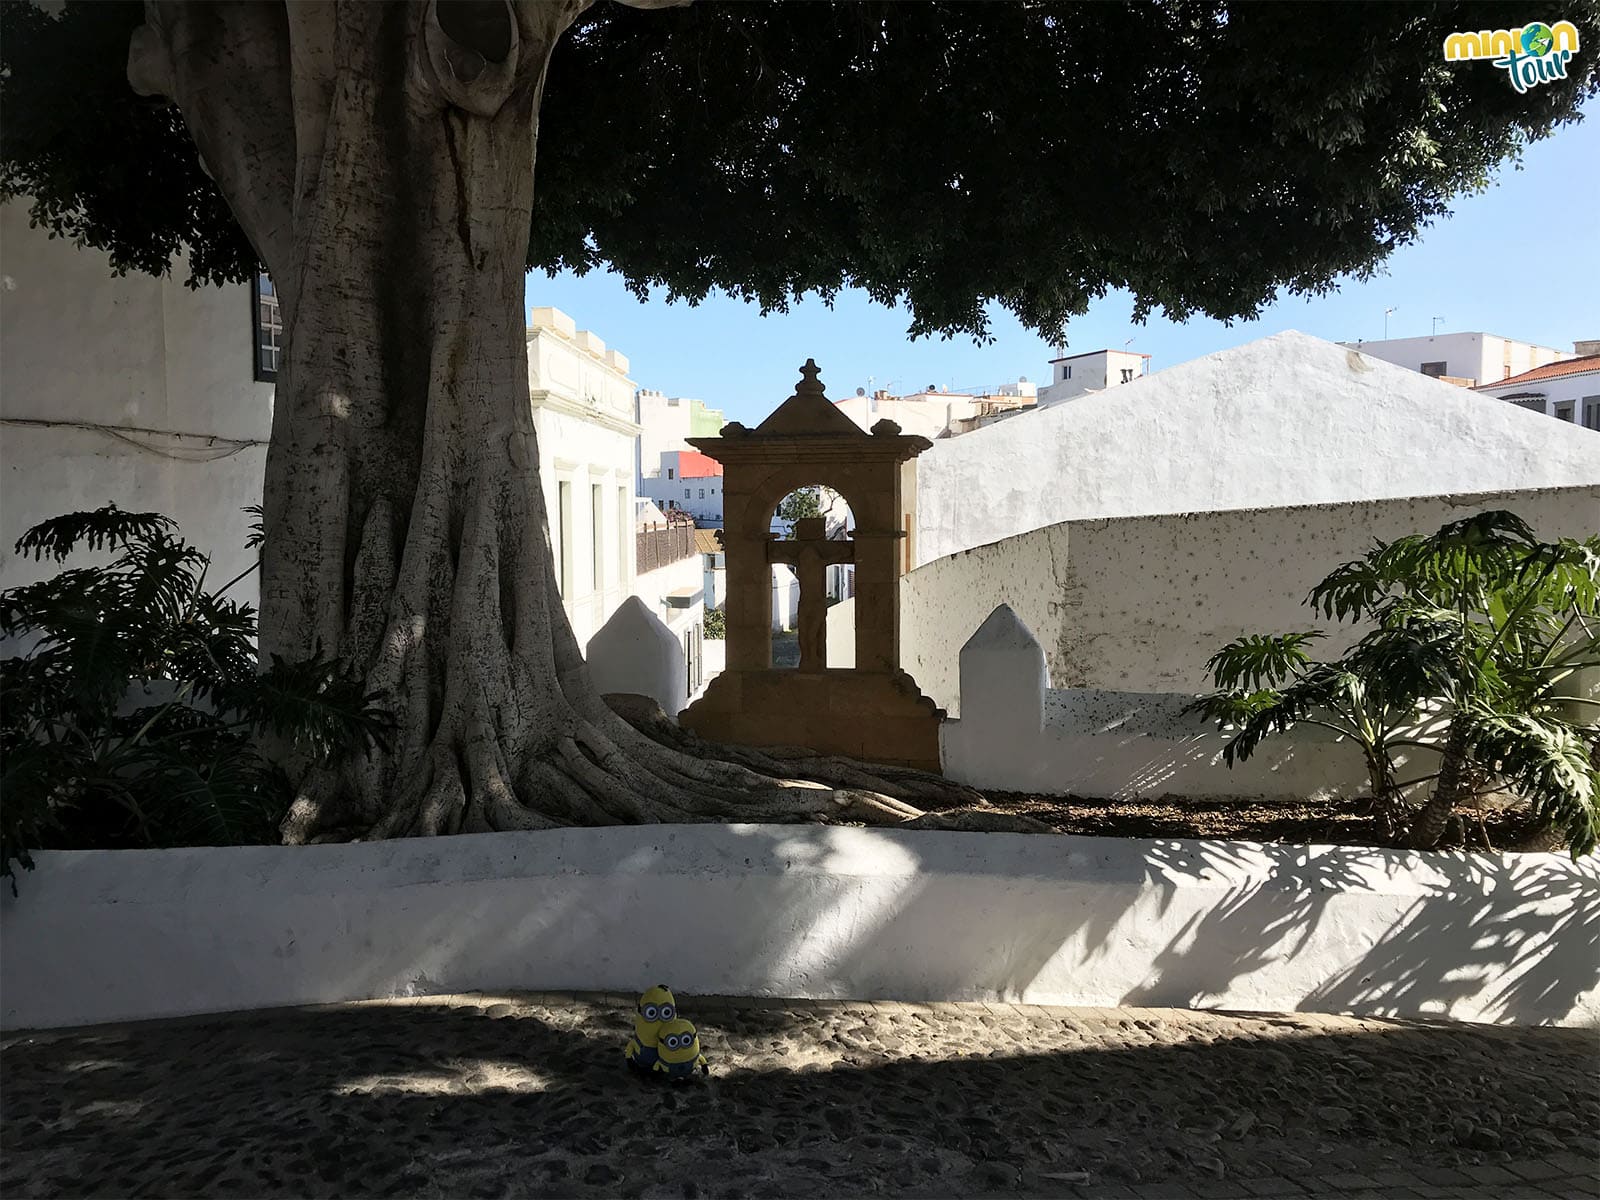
(642, 769)
(779, 762)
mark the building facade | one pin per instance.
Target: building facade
(582, 402)
(666, 423)
(1568, 390)
(1093, 371)
(1468, 359)
(133, 390)
(688, 482)
(934, 414)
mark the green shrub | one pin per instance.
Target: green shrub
(132, 715)
(716, 624)
(1478, 635)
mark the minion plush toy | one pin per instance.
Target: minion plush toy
(655, 1008)
(678, 1051)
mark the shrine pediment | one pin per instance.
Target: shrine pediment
(809, 412)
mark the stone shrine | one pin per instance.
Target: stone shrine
(873, 711)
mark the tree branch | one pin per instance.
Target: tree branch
(227, 67)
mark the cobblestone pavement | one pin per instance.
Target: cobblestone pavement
(527, 1096)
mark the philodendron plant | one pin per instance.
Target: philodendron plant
(1483, 646)
(136, 711)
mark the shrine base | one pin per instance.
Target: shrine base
(873, 716)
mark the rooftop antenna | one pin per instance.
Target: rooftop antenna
(1435, 329)
(1386, 313)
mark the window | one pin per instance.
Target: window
(1564, 410)
(1127, 374)
(1066, 371)
(268, 327)
(624, 535)
(702, 493)
(669, 472)
(1591, 412)
(564, 518)
(685, 493)
(597, 538)
(1433, 370)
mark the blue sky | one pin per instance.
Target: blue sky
(1521, 259)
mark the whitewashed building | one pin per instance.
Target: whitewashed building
(666, 423)
(1568, 390)
(1467, 359)
(934, 414)
(130, 390)
(1285, 420)
(582, 403)
(690, 482)
(1092, 371)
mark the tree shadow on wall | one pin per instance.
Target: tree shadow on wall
(1513, 937)
(1520, 933)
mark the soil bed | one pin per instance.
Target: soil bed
(1306, 822)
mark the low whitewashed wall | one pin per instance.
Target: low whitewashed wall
(806, 911)
(634, 652)
(1140, 603)
(1021, 734)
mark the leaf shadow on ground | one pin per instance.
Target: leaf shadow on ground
(438, 1101)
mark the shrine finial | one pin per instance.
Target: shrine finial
(810, 384)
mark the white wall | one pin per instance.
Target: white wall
(805, 911)
(686, 622)
(1284, 420)
(582, 402)
(133, 390)
(1140, 603)
(634, 653)
(1021, 735)
(785, 598)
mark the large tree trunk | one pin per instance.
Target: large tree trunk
(382, 163)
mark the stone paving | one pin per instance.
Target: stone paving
(526, 1095)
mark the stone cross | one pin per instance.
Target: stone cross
(810, 553)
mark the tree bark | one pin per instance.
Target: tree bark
(380, 158)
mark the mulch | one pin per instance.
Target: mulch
(1308, 822)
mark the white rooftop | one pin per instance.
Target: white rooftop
(1287, 419)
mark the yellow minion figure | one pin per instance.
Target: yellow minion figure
(678, 1050)
(655, 1008)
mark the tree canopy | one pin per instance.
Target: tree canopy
(1198, 153)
